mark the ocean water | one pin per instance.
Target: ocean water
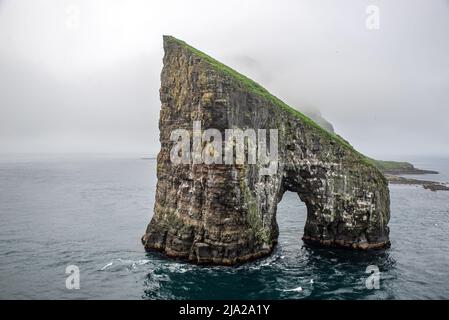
(91, 212)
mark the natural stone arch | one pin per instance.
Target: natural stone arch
(226, 214)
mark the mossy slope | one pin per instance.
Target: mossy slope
(257, 89)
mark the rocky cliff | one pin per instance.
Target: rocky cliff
(226, 214)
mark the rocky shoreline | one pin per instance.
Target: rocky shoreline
(412, 170)
(429, 185)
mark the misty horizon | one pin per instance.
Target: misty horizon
(83, 77)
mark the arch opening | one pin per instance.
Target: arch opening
(291, 216)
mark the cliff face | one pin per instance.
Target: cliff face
(226, 214)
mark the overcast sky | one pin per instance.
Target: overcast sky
(83, 76)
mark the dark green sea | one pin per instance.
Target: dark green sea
(91, 212)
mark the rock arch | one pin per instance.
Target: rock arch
(226, 214)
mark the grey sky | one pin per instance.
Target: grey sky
(83, 76)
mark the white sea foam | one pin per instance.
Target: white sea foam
(298, 289)
(106, 266)
(124, 263)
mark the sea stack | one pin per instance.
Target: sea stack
(226, 213)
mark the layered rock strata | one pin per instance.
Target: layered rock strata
(226, 213)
